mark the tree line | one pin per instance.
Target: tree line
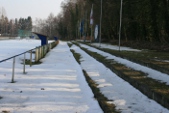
(142, 20)
(47, 26)
(10, 27)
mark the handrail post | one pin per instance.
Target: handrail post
(24, 64)
(13, 70)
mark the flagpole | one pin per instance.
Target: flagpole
(91, 34)
(120, 23)
(100, 25)
(91, 17)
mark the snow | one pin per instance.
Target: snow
(114, 47)
(159, 76)
(10, 48)
(126, 98)
(56, 86)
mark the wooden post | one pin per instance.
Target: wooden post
(36, 54)
(41, 51)
(30, 58)
(40, 55)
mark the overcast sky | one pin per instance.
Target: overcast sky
(34, 8)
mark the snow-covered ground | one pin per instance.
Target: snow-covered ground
(102, 45)
(126, 98)
(58, 84)
(159, 76)
(10, 48)
(55, 86)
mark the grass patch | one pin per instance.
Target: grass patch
(138, 79)
(76, 56)
(154, 59)
(103, 101)
(76, 43)
(27, 62)
(70, 44)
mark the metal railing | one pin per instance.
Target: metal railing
(40, 53)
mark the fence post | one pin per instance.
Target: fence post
(30, 58)
(40, 53)
(46, 49)
(13, 70)
(24, 64)
(36, 54)
(49, 46)
(43, 48)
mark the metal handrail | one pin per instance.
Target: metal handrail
(17, 55)
(13, 67)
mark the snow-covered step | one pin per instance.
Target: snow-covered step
(124, 96)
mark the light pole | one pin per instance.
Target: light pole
(120, 23)
(100, 25)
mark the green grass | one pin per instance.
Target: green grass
(136, 78)
(152, 59)
(76, 56)
(103, 101)
(136, 75)
(27, 62)
(70, 44)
